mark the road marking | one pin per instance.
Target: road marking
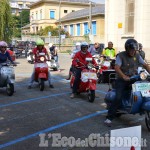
(32, 99)
(51, 129)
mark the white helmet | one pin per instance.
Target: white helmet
(78, 44)
(84, 44)
(50, 44)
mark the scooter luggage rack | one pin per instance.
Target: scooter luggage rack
(112, 77)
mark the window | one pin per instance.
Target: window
(36, 15)
(40, 14)
(94, 27)
(85, 28)
(65, 28)
(129, 16)
(78, 29)
(52, 14)
(65, 11)
(71, 29)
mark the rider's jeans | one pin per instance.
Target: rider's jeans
(77, 80)
(121, 85)
(32, 78)
(56, 58)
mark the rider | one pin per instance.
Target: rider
(142, 53)
(53, 51)
(109, 51)
(40, 48)
(4, 54)
(127, 63)
(78, 61)
(74, 51)
(96, 49)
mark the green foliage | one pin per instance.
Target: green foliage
(86, 37)
(24, 17)
(54, 31)
(5, 21)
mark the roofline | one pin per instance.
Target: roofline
(96, 14)
(53, 1)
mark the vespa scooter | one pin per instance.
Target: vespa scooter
(106, 67)
(41, 71)
(7, 77)
(136, 99)
(88, 80)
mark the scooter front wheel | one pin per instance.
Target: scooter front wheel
(10, 89)
(41, 84)
(147, 120)
(91, 96)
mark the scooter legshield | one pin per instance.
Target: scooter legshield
(146, 104)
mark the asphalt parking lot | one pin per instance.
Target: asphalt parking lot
(33, 120)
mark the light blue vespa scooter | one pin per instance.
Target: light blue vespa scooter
(136, 99)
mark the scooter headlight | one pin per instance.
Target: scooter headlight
(42, 59)
(143, 75)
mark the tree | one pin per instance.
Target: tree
(24, 16)
(54, 31)
(5, 20)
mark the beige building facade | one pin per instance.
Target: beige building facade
(46, 12)
(79, 24)
(127, 19)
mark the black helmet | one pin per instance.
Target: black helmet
(131, 44)
(140, 46)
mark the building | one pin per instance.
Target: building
(46, 12)
(127, 19)
(18, 5)
(85, 22)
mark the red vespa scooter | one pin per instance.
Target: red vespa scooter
(41, 71)
(88, 80)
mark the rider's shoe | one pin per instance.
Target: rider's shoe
(51, 86)
(108, 122)
(72, 95)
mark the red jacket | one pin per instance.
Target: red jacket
(36, 53)
(81, 57)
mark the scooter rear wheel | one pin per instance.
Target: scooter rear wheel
(10, 89)
(147, 120)
(91, 96)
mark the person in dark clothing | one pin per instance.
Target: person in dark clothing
(127, 63)
(141, 52)
(4, 54)
(53, 51)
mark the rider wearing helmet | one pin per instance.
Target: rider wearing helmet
(126, 65)
(53, 51)
(4, 54)
(40, 49)
(78, 61)
(141, 52)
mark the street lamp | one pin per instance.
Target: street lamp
(59, 23)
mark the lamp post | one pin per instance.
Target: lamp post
(59, 23)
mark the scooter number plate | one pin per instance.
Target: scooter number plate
(106, 63)
(145, 93)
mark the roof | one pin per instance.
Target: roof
(99, 9)
(26, 26)
(83, 2)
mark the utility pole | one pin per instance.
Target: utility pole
(59, 23)
(90, 18)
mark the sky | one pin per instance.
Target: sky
(99, 1)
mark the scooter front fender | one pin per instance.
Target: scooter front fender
(92, 86)
(42, 75)
(146, 106)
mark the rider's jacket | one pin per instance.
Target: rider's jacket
(109, 52)
(82, 60)
(129, 64)
(4, 57)
(36, 52)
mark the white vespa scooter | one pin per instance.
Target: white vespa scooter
(7, 77)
